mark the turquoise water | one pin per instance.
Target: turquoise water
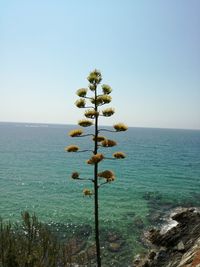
(35, 174)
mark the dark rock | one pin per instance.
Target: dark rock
(188, 226)
(146, 264)
(154, 236)
(136, 260)
(186, 215)
(152, 255)
(162, 256)
(179, 245)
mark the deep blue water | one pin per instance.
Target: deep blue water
(35, 173)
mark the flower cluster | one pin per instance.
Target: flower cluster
(108, 143)
(80, 103)
(85, 123)
(76, 133)
(95, 159)
(119, 155)
(92, 87)
(106, 89)
(108, 175)
(101, 100)
(99, 138)
(75, 175)
(72, 148)
(91, 113)
(87, 192)
(95, 77)
(108, 112)
(120, 127)
(82, 92)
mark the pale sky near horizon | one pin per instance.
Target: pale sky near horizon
(147, 50)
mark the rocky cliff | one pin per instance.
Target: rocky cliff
(176, 244)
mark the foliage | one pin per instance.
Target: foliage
(32, 244)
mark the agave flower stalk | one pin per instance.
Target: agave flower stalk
(92, 115)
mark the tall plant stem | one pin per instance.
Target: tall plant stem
(96, 206)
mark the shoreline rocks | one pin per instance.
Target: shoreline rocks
(177, 245)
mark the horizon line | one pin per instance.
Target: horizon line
(145, 127)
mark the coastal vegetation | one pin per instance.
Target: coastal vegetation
(33, 244)
(93, 113)
(30, 243)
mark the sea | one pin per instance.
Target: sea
(160, 172)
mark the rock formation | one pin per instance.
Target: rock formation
(178, 246)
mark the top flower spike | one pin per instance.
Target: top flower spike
(94, 78)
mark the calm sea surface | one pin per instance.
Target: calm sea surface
(35, 174)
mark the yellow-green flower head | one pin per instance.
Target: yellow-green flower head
(105, 99)
(85, 123)
(72, 148)
(101, 100)
(120, 127)
(80, 103)
(119, 155)
(92, 87)
(95, 159)
(82, 92)
(108, 112)
(76, 133)
(106, 89)
(75, 175)
(87, 192)
(99, 138)
(95, 77)
(91, 113)
(108, 143)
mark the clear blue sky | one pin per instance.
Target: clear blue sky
(148, 51)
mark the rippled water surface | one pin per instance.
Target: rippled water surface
(35, 174)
